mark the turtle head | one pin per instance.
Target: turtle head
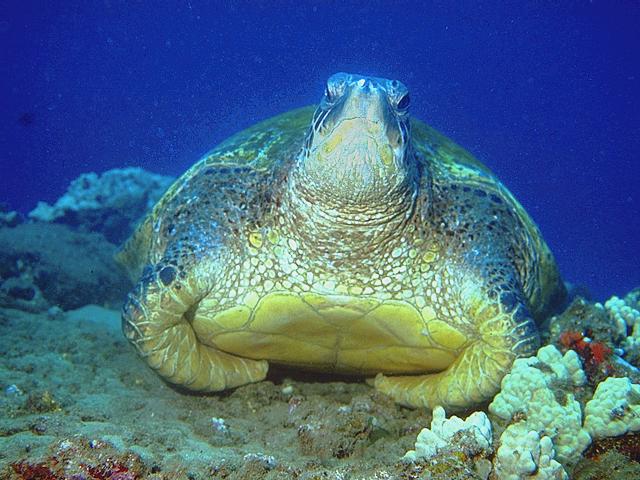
(358, 146)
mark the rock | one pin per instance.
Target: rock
(111, 203)
(10, 219)
(45, 265)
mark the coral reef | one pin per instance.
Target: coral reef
(525, 454)
(43, 265)
(600, 336)
(540, 390)
(625, 315)
(545, 430)
(614, 409)
(473, 436)
(111, 203)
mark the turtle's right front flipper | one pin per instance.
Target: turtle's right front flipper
(156, 319)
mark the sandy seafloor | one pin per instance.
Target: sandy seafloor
(78, 383)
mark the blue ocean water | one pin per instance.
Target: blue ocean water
(547, 96)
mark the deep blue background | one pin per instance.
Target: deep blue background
(547, 96)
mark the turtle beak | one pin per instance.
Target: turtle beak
(363, 126)
(366, 101)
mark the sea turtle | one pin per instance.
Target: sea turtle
(355, 239)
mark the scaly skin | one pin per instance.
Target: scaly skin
(370, 245)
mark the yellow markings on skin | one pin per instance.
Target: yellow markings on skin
(273, 237)
(446, 335)
(255, 239)
(493, 325)
(331, 144)
(429, 256)
(355, 290)
(386, 154)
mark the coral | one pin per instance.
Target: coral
(589, 319)
(625, 314)
(589, 351)
(614, 409)
(80, 458)
(602, 335)
(111, 203)
(525, 454)
(472, 436)
(540, 391)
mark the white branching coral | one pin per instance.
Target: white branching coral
(539, 389)
(471, 436)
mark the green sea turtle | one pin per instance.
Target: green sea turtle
(355, 239)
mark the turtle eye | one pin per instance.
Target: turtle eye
(328, 93)
(404, 102)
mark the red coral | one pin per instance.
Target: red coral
(110, 470)
(599, 351)
(36, 471)
(573, 340)
(595, 355)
